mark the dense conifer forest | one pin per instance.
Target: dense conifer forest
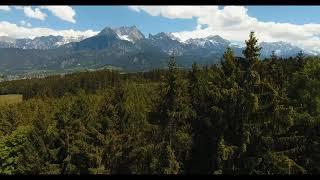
(242, 116)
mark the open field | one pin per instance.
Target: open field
(10, 99)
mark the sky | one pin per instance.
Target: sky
(298, 25)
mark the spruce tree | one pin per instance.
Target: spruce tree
(300, 59)
(252, 50)
(228, 63)
(273, 56)
(176, 112)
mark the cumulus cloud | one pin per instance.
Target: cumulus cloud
(24, 23)
(16, 31)
(65, 13)
(3, 34)
(19, 7)
(5, 8)
(173, 12)
(34, 13)
(234, 23)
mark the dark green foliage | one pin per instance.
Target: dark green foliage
(245, 116)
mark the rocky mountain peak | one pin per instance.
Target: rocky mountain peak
(129, 33)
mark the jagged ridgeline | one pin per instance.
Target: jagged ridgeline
(243, 116)
(124, 48)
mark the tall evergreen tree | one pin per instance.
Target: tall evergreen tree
(252, 51)
(176, 112)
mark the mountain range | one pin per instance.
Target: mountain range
(124, 48)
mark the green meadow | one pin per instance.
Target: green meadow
(10, 99)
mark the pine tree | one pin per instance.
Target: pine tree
(196, 89)
(228, 64)
(300, 59)
(176, 112)
(252, 51)
(171, 165)
(174, 107)
(273, 56)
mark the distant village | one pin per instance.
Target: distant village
(30, 75)
(38, 75)
(21, 76)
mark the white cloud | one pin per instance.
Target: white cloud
(36, 13)
(24, 23)
(5, 8)
(3, 34)
(15, 31)
(234, 23)
(19, 7)
(65, 13)
(173, 12)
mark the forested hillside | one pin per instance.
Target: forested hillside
(242, 116)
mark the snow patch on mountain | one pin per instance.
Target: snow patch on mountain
(208, 41)
(173, 37)
(69, 39)
(125, 37)
(129, 33)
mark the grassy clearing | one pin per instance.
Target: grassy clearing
(10, 99)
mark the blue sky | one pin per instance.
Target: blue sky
(286, 14)
(283, 23)
(98, 17)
